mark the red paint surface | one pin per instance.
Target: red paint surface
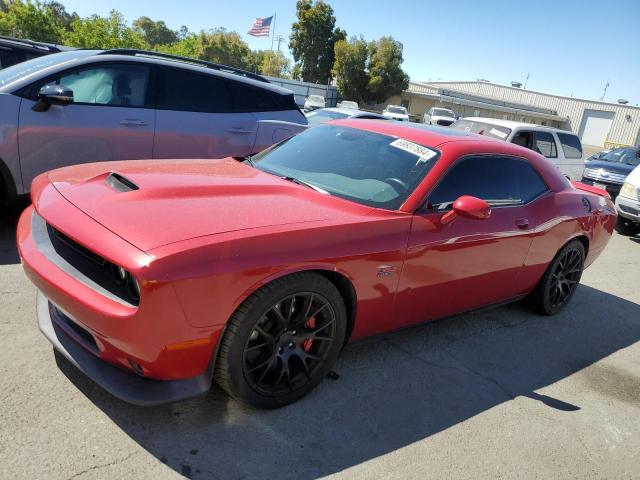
(201, 236)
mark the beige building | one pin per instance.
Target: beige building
(599, 124)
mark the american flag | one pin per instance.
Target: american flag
(261, 27)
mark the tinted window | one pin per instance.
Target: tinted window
(7, 57)
(192, 92)
(122, 85)
(523, 138)
(626, 155)
(499, 180)
(571, 146)
(357, 165)
(247, 98)
(545, 144)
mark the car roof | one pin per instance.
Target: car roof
(427, 135)
(86, 57)
(513, 124)
(27, 44)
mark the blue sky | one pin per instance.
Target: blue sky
(568, 47)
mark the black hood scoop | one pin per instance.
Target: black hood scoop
(120, 183)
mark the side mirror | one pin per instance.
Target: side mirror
(467, 206)
(52, 95)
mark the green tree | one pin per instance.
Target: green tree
(350, 68)
(61, 17)
(228, 48)
(275, 64)
(386, 77)
(313, 38)
(155, 33)
(29, 19)
(104, 32)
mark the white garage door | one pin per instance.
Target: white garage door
(595, 127)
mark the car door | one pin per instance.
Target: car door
(467, 263)
(195, 117)
(110, 119)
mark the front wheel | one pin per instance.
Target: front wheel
(559, 282)
(282, 341)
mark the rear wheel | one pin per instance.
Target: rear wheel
(626, 227)
(282, 341)
(559, 283)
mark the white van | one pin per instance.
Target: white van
(562, 148)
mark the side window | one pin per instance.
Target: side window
(188, 91)
(529, 182)
(247, 98)
(523, 138)
(7, 58)
(571, 146)
(545, 144)
(499, 180)
(118, 85)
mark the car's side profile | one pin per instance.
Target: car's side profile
(560, 147)
(155, 278)
(89, 105)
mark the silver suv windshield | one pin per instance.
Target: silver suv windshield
(394, 109)
(16, 72)
(442, 112)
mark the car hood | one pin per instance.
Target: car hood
(621, 168)
(177, 200)
(401, 116)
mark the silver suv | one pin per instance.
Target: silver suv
(98, 105)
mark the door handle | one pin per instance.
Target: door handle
(133, 122)
(522, 223)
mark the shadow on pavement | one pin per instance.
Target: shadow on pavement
(393, 390)
(9, 215)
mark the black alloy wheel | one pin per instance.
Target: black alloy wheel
(282, 341)
(559, 282)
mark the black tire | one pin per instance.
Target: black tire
(560, 280)
(626, 227)
(282, 341)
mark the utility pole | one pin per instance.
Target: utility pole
(526, 80)
(605, 91)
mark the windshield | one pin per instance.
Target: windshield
(394, 109)
(316, 98)
(349, 104)
(364, 167)
(442, 112)
(628, 156)
(20, 70)
(318, 117)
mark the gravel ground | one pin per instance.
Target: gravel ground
(500, 394)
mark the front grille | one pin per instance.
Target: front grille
(79, 262)
(603, 175)
(446, 123)
(629, 210)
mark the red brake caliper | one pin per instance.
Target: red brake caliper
(307, 343)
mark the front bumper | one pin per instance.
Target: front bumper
(120, 383)
(628, 208)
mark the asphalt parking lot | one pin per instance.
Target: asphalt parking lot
(500, 394)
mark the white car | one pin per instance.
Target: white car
(439, 116)
(628, 204)
(314, 102)
(323, 115)
(561, 147)
(348, 104)
(396, 112)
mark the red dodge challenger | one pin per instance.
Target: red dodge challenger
(156, 278)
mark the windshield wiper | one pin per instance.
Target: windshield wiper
(306, 184)
(249, 161)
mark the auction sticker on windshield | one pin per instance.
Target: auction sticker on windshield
(421, 151)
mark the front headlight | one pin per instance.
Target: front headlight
(629, 191)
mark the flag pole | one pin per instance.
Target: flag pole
(273, 32)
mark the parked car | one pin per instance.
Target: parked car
(562, 148)
(396, 112)
(155, 278)
(324, 115)
(628, 204)
(15, 50)
(597, 155)
(89, 105)
(314, 102)
(439, 116)
(611, 169)
(348, 104)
